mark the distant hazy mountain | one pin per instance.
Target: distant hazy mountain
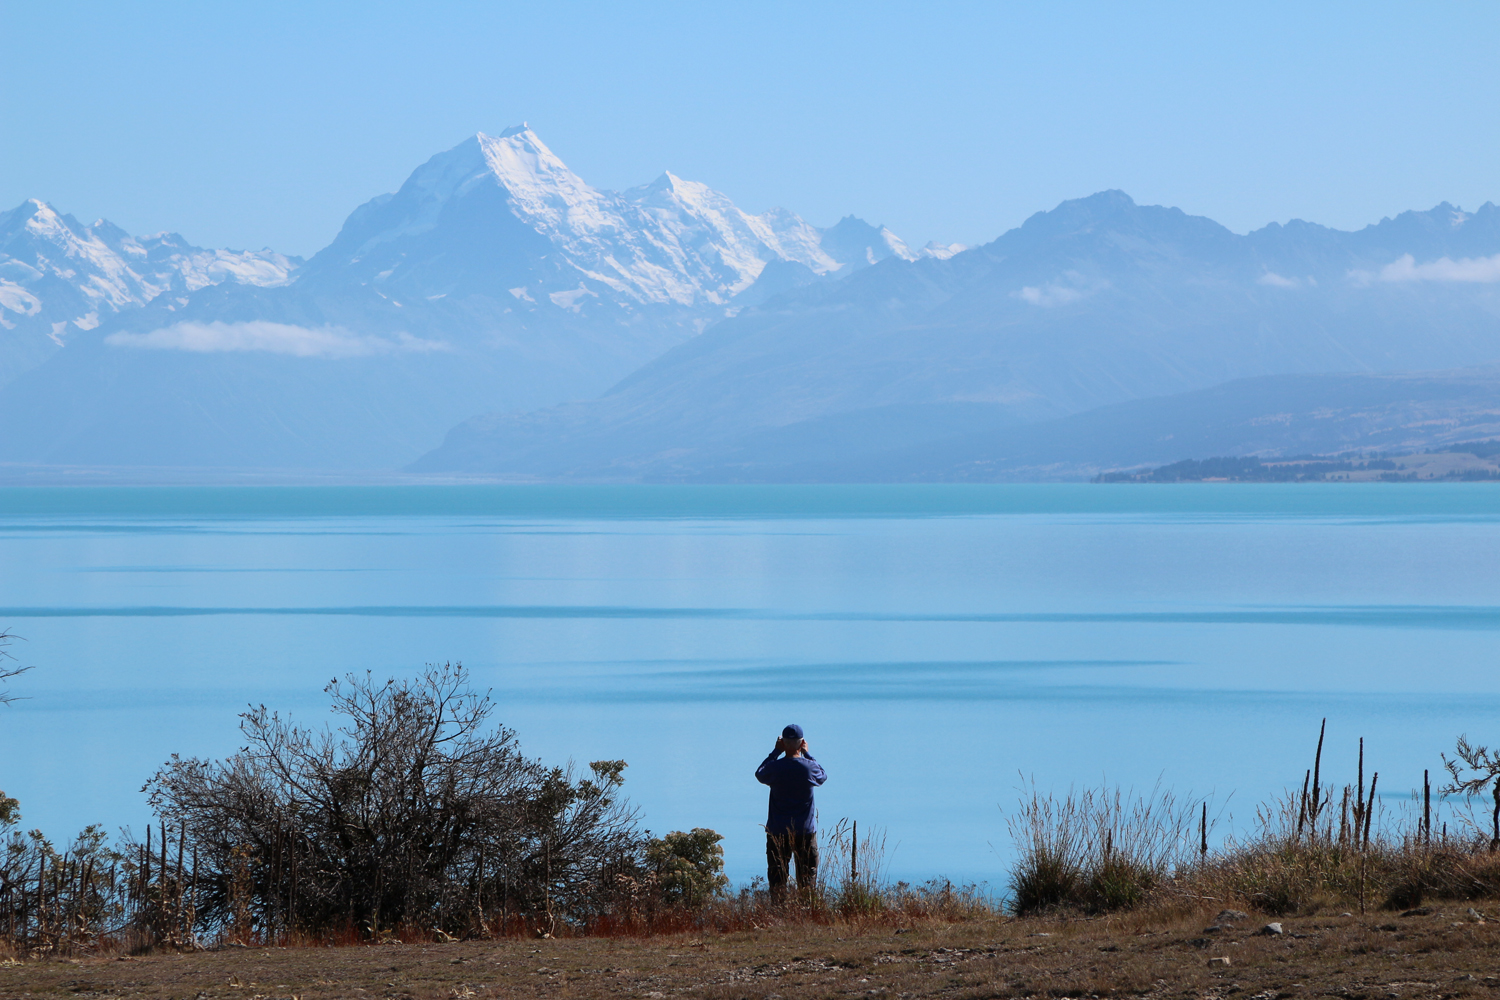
(1099, 301)
(58, 277)
(1268, 416)
(495, 278)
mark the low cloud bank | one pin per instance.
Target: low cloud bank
(1479, 270)
(271, 338)
(1071, 287)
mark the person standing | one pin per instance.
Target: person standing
(791, 821)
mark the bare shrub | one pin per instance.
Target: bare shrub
(6, 673)
(1486, 767)
(60, 902)
(414, 813)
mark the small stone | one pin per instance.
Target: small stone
(1474, 915)
(1346, 914)
(1271, 929)
(1229, 916)
(1220, 960)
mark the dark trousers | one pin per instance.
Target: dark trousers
(781, 848)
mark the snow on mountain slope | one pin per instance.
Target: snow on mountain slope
(494, 278)
(668, 241)
(942, 251)
(58, 276)
(671, 243)
(1097, 302)
(858, 244)
(709, 236)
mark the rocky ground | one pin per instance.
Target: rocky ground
(1441, 951)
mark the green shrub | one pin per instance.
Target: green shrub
(689, 866)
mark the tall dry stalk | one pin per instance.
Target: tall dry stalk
(851, 868)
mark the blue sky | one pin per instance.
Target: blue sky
(264, 124)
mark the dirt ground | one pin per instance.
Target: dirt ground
(1443, 952)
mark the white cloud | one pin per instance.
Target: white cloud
(1049, 295)
(1485, 270)
(1277, 281)
(1071, 287)
(1472, 269)
(271, 338)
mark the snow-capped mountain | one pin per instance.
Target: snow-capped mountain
(495, 278)
(58, 277)
(554, 239)
(1096, 303)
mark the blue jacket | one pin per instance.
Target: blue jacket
(792, 780)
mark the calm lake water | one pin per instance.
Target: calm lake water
(937, 643)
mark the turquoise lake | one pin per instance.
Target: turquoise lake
(938, 643)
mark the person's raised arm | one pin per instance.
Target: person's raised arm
(815, 773)
(760, 772)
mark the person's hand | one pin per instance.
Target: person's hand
(802, 748)
(780, 746)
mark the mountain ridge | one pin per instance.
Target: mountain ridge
(59, 277)
(498, 314)
(493, 277)
(1096, 302)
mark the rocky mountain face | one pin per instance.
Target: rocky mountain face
(494, 279)
(59, 277)
(1098, 302)
(503, 215)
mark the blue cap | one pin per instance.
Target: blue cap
(792, 732)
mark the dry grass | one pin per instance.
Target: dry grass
(1281, 878)
(1323, 849)
(1438, 953)
(1098, 850)
(1284, 869)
